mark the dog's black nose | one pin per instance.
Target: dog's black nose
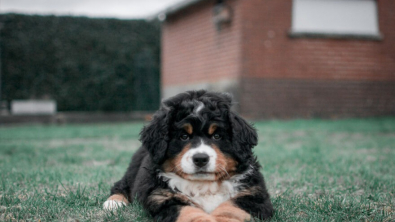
(200, 159)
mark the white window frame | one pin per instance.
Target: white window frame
(311, 18)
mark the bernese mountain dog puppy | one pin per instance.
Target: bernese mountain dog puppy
(195, 164)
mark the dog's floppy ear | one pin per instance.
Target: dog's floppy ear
(155, 136)
(243, 134)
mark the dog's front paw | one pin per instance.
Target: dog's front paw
(114, 202)
(113, 205)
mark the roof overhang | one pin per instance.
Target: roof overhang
(162, 15)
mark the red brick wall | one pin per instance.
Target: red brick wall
(309, 98)
(270, 53)
(193, 51)
(281, 76)
(305, 77)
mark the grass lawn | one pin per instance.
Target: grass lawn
(316, 170)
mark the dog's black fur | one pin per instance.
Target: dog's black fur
(160, 141)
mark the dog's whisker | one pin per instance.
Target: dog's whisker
(223, 171)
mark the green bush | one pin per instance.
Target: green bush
(84, 64)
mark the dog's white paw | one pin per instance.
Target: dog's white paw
(113, 205)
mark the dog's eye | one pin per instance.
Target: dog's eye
(217, 136)
(184, 137)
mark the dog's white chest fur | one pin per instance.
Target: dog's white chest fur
(209, 195)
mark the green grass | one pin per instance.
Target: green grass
(315, 170)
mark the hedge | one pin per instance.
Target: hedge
(84, 64)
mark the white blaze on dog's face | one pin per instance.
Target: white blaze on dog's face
(198, 108)
(200, 147)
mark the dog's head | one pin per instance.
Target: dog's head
(198, 137)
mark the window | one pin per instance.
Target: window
(335, 17)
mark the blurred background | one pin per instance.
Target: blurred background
(317, 78)
(87, 61)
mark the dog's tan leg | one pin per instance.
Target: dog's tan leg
(193, 214)
(228, 212)
(115, 201)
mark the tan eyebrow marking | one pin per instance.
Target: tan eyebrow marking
(188, 127)
(212, 128)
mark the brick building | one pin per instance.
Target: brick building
(284, 58)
